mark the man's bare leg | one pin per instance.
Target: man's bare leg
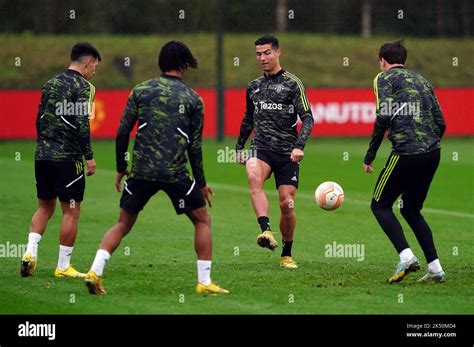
(39, 222)
(109, 244)
(287, 223)
(203, 247)
(257, 172)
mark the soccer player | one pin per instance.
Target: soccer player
(274, 102)
(170, 120)
(408, 109)
(62, 127)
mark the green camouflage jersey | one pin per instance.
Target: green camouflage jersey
(408, 108)
(274, 103)
(170, 122)
(62, 123)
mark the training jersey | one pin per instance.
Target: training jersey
(62, 123)
(406, 107)
(274, 103)
(170, 116)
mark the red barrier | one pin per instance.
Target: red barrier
(338, 112)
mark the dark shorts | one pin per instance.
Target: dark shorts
(285, 171)
(184, 194)
(60, 179)
(407, 175)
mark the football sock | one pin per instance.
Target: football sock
(406, 255)
(204, 271)
(64, 260)
(101, 258)
(434, 266)
(286, 251)
(264, 223)
(33, 240)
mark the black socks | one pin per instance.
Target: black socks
(286, 251)
(264, 223)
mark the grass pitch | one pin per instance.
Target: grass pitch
(154, 269)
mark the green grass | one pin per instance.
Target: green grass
(316, 58)
(161, 266)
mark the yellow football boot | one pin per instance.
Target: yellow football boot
(210, 289)
(27, 265)
(288, 262)
(70, 272)
(266, 240)
(94, 283)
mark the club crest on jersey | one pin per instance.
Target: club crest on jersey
(278, 87)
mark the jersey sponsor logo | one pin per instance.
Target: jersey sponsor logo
(262, 105)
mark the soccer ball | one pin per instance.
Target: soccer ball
(329, 196)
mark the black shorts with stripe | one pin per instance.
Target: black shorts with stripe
(286, 171)
(60, 179)
(407, 175)
(184, 194)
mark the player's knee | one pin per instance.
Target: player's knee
(71, 215)
(287, 205)
(200, 216)
(409, 213)
(207, 219)
(48, 208)
(377, 209)
(204, 218)
(255, 181)
(126, 223)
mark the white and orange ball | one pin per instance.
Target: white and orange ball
(329, 196)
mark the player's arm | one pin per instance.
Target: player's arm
(247, 123)
(86, 97)
(383, 91)
(195, 146)
(303, 109)
(129, 118)
(195, 150)
(438, 115)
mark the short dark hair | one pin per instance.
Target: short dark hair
(393, 52)
(265, 39)
(175, 55)
(84, 49)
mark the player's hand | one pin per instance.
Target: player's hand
(90, 167)
(240, 157)
(118, 180)
(207, 192)
(297, 155)
(368, 168)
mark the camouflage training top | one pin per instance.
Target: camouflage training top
(407, 107)
(274, 103)
(62, 123)
(170, 121)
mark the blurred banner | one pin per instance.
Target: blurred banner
(338, 111)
